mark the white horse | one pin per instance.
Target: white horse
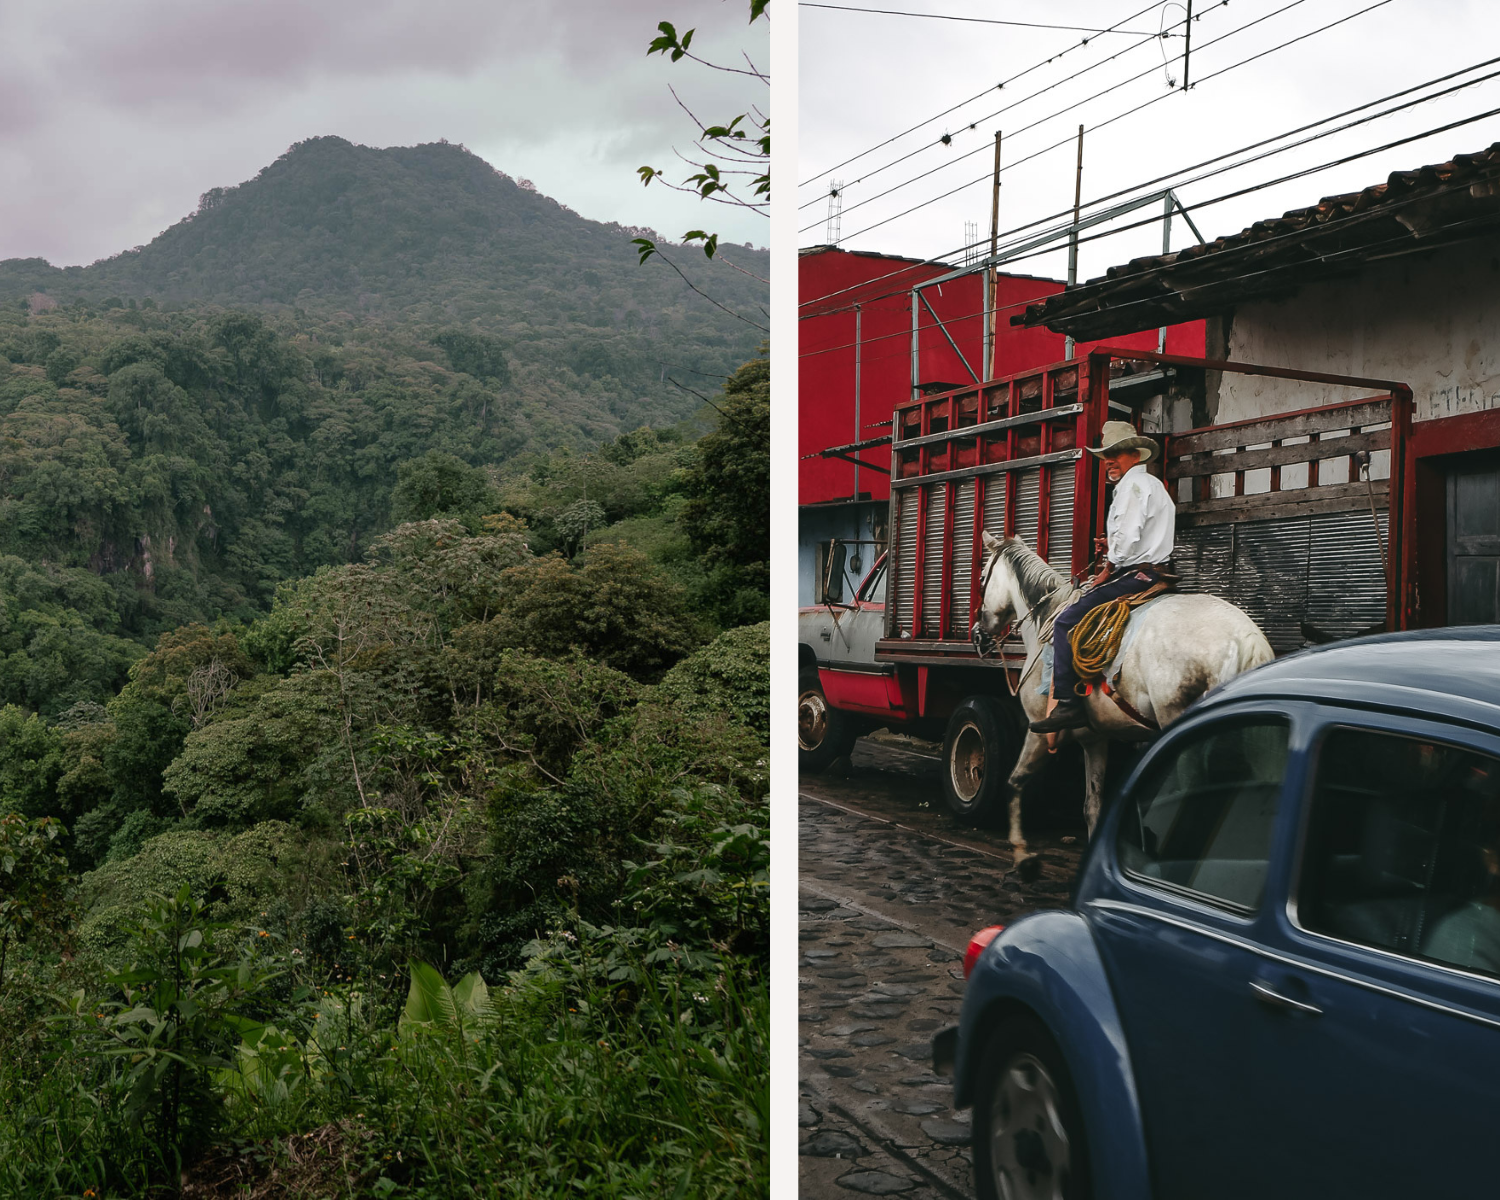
(1182, 645)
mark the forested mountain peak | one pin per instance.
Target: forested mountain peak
(417, 229)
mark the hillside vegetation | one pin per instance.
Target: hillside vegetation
(383, 705)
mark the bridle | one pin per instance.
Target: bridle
(984, 642)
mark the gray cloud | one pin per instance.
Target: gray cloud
(114, 118)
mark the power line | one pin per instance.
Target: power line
(1036, 66)
(940, 259)
(1123, 115)
(892, 12)
(1000, 87)
(1050, 116)
(1261, 244)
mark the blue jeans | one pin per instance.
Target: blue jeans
(1125, 582)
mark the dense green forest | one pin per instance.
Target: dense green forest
(383, 704)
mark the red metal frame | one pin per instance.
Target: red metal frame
(971, 447)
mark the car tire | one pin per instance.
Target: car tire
(823, 732)
(980, 749)
(1028, 1141)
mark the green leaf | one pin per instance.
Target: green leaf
(471, 994)
(430, 999)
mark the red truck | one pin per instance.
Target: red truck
(1298, 518)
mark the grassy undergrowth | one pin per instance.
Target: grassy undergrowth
(560, 1082)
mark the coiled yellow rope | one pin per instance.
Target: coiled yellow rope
(1096, 638)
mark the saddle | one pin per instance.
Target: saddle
(1096, 641)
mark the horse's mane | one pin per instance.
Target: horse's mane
(1034, 577)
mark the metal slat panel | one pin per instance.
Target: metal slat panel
(963, 557)
(1324, 569)
(1028, 495)
(1346, 578)
(1060, 520)
(935, 543)
(994, 504)
(905, 538)
(1270, 577)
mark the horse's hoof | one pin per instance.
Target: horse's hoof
(1029, 868)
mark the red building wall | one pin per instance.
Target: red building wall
(831, 282)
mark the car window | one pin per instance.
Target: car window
(1403, 848)
(1201, 819)
(873, 589)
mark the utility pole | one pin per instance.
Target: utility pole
(1166, 248)
(1073, 235)
(992, 275)
(1187, 49)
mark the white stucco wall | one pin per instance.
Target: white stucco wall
(1430, 322)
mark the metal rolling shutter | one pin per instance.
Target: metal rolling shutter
(905, 538)
(935, 542)
(1324, 569)
(994, 503)
(1346, 591)
(1060, 518)
(963, 558)
(1028, 485)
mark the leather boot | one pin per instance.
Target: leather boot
(1069, 714)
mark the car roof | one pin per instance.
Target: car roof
(1452, 673)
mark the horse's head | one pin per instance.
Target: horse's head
(997, 592)
(1014, 582)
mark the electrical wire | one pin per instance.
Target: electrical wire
(1036, 66)
(1259, 245)
(1040, 120)
(1112, 120)
(1069, 108)
(891, 12)
(941, 260)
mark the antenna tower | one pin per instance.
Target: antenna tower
(835, 210)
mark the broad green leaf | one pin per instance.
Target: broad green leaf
(430, 999)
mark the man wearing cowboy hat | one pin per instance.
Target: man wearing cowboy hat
(1140, 528)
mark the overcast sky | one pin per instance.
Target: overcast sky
(114, 118)
(924, 66)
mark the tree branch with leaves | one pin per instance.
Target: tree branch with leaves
(731, 160)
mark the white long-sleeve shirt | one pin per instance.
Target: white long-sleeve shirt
(1142, 520)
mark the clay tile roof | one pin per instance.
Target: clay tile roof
(1411, 211)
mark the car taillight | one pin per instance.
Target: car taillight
(977, 943)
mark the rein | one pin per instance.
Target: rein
(981, 638)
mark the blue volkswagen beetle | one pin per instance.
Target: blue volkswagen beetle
(1280, 974)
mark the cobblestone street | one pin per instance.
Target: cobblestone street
(890, 891)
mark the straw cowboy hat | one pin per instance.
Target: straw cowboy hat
(1119, 436)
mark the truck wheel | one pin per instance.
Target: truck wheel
(979, 750)
(1029, 1139)
(823, 732)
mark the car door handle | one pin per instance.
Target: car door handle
(1268, 995)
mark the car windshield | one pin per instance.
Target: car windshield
(872, 591)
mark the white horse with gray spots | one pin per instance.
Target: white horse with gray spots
(1182, 645)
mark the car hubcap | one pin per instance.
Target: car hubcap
(966, 763)
(812, 720)
(1029, 1150)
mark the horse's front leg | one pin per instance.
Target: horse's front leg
(1033, 753)
(1095, 760)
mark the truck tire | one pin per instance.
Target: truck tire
(823, 732)
(979, 751)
